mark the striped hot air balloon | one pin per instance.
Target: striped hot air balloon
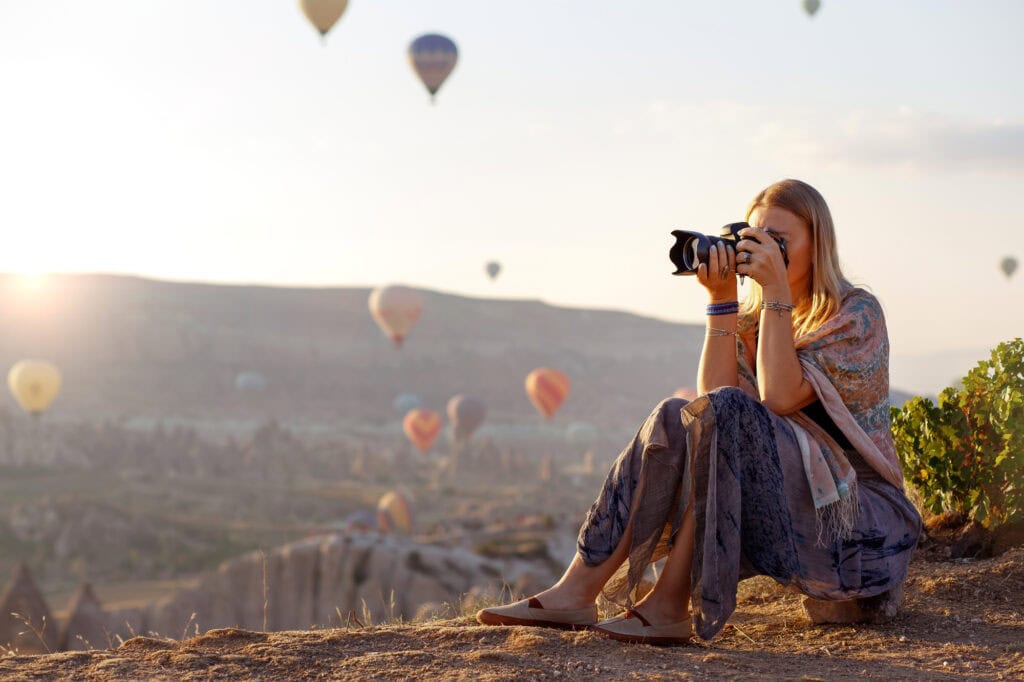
(422, 427)
(394, 513)
(433, 57)
(547, 389)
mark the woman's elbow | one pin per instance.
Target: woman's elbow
(779, 405)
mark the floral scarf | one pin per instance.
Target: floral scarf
(846, 360)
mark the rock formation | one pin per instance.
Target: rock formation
(22, 597)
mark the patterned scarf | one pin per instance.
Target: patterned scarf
(846, 360)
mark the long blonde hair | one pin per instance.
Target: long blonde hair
(828, 284)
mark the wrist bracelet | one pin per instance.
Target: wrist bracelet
(715, 331)
(728, 308)
(777, 305)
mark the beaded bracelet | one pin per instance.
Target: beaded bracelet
(728, 308)
(777, 305)
(715, 331)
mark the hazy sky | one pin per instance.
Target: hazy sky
(219, 140)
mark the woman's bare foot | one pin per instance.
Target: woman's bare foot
(660, 611)
(562, 596)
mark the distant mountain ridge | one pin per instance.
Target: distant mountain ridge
(133, 347)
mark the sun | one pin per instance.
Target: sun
(32, 281)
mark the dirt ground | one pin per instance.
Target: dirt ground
(961, 619)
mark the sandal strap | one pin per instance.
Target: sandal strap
(630, 613)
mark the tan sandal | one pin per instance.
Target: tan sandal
(530, 612)
(635, 629)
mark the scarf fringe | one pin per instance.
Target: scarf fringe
(837, 520)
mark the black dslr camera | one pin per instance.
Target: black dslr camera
(691, 248)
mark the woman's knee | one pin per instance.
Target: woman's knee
(671, 404)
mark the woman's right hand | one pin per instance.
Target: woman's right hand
(718, 275)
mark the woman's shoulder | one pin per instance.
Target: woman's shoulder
(856, 299)
(861, 310)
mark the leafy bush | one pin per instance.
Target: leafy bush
(966, 454)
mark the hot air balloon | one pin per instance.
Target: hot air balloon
(1009, 266)
(404, 402)
(323, 14)
(34, 384)
(493, 268)
(422, 426)
(812, 7)
(547, 388)
(394, 512)
(465, 415)
(250, 382)
(686, 392)
(396, 309)
(433, 57)
(361, 520)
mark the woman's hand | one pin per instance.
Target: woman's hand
(718, 275)
(761, 259)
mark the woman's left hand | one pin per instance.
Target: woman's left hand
(760, 259)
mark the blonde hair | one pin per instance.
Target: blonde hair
(828, 284)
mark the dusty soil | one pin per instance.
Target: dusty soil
(962, 619)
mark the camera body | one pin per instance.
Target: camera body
(691, 248)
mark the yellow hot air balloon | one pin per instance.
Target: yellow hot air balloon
(34, 384)
(396, 309)
(394, 512)
(547, 388)
(323, 14)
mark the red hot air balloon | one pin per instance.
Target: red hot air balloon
(465, 415)
(547, 389)
(422, 427)
(686, 392)
(396, 309)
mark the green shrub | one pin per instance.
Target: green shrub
(966, 454)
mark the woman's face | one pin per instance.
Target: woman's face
(799, 243)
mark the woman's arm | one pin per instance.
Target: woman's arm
(780, 379)
(718, 358)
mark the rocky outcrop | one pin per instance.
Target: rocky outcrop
(25, 621)
(329, 580)
(87, 625)
(326, 580)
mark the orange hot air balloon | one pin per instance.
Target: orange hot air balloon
(547, 388)
(686, 392)
(422, 426)
(396, 309)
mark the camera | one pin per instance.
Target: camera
(691, 248)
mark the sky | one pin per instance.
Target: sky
(223, 141)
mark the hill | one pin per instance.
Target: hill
(141, 348)
(132, 347)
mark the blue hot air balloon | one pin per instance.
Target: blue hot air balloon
(405, 402)
(433, 57)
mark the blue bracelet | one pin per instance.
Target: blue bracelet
(730, 308)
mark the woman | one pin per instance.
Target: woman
(784, 466)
